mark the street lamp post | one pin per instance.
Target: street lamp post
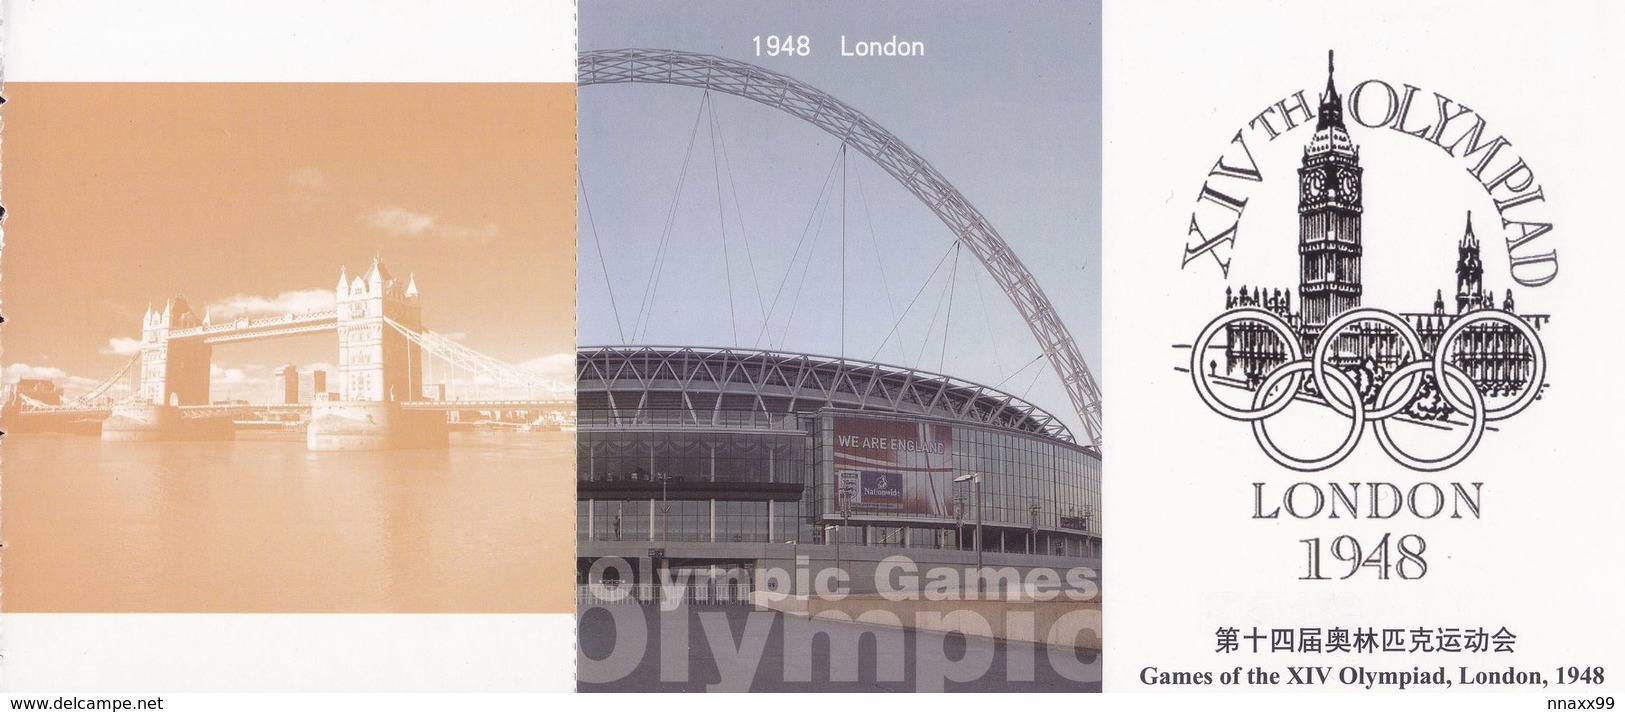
(1032, 532)
(975, 478)
(665, 504)
(959, 520)
(844, 498)
(1088, 520)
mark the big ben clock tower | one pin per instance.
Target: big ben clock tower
(1329, 207)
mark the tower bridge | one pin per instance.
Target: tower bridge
(377, 361)
(379, 400)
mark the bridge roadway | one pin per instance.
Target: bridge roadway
(407, 405)
(253, 329)
(221, 408)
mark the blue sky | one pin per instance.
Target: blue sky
(1005, 104)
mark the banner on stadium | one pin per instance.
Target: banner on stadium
(890, 467)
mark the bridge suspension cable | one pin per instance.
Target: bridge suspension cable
(102, 388)
(97, 395)
(460, 356)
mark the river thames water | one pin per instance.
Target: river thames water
(263, 525)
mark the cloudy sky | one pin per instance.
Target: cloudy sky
(1005, 105)
(248, 198)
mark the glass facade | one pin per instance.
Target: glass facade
(664, 478)
(739, 477)
(1038, 495)
(689, 456)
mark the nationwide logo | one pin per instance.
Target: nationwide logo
(881, 486)
(1470, 359)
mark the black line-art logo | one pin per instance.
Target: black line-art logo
(1448, 369)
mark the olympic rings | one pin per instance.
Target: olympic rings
(1205, 390)
(1356, 428)
(1475, 431)
(1537, 376)
(1349, 402)
(1328, 336)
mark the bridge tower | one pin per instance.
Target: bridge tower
(376, 362)
(379, 368)
(173, 372)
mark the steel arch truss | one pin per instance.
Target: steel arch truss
(650, 66)
(776, 384)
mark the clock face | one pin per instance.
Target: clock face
(1314, 185)
(1349, 184)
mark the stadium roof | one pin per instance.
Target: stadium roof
(697, 382)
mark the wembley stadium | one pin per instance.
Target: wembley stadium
(710, 460)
